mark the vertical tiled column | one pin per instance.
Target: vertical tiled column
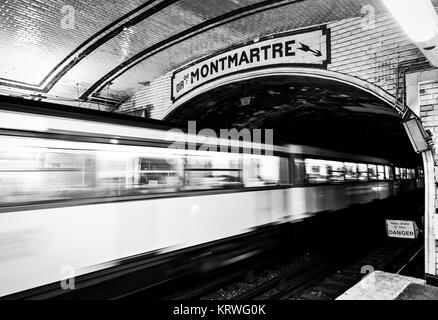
(428, 98)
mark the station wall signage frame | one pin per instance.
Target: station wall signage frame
(309, 47)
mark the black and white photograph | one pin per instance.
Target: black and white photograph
(219, 158)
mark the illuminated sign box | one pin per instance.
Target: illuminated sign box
(304, 48)
(417, 135)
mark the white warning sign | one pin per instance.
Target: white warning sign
(401, 229)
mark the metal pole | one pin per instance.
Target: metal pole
(429, 208)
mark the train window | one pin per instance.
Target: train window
(264, 170)
(404, 174)
(284, 171)
(300, 172)
(269, 170)
(336, 171)
(159, 173)
(362, 172)
(124, 173)
(351, 173)
(372, 172)
(381, 172)
(213, 171)
(113, 173)
(35, 170)
(397, 173)
(38, 174)
(389, 173)
(316, 171)
(250, 170)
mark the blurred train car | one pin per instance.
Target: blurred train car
(87, 190)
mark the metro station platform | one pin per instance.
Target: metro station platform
(381, 285)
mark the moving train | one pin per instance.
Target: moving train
(85, 190)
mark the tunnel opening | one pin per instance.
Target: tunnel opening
(312, 111)
(304, 110)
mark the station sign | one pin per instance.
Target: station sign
(401, 229)
(304, 48)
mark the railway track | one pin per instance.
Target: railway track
(322, 276)
(287, 281)
(337, 280)
(219, 281)
(274, 273)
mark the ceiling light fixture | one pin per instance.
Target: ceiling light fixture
(419, 20)
(246, 99)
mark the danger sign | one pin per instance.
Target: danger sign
(401, 229)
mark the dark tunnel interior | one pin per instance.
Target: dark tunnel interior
(305, 110)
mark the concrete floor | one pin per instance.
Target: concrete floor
(381, 285)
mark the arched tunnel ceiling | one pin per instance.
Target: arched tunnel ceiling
(98, 49)
(304, 110)
(110, 48)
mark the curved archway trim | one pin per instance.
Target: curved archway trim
(289, 71)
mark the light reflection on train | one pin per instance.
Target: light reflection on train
(90, 203)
